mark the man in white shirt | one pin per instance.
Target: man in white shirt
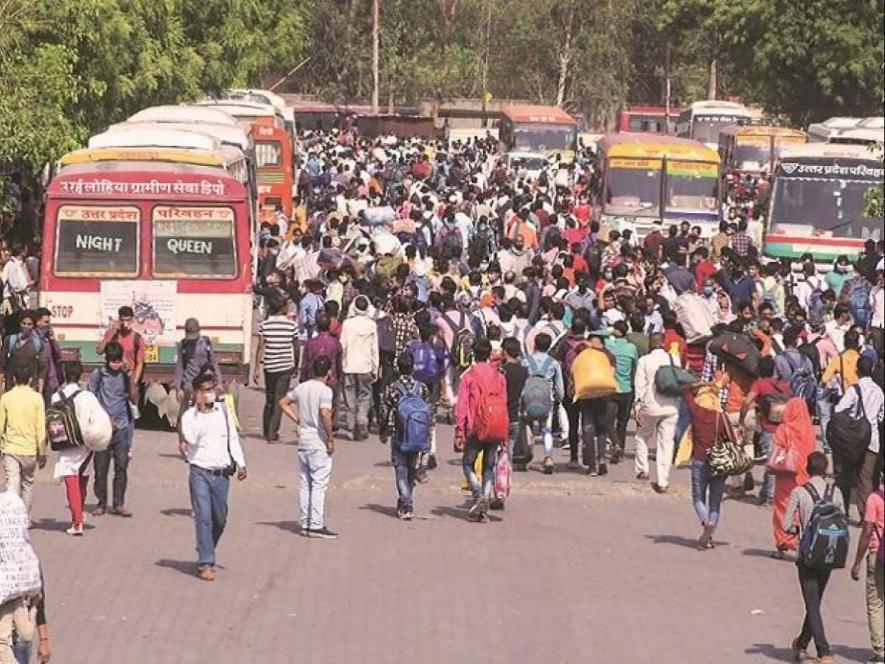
(211, 446)
(655, 414)
(310, 406)
(360, 365)
(840, 324)
(16, 279)
(874, 409)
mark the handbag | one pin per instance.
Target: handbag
(726, 456)
(670, 379)
(783, 460)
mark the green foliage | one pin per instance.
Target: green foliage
(875, 198)
(69, 69)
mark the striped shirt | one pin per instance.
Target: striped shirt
(279, 335)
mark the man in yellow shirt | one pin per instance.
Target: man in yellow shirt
(844, 365)
(23, 430)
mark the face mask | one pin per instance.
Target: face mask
(209, 397)
(708, 290)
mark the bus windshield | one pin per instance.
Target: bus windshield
(195, 242)
(543, 137)
(828, 205)
(692, 186)
(633, 190)
(752, 158)
(706, 128)
(268, 153)
(97, 240)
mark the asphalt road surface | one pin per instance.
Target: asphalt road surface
(575, 570)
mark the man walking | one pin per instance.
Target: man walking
(23, 427)
(483, 391)
(655, 415)
(620, 405)
(277, 351)
(405, 462)
(132, 343)
(310, 406)
(359, 345)
(211, 446)
(111, 386)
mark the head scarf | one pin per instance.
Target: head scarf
(797, 431)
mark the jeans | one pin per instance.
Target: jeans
(766, 439)
(824, 412)
(20, 470)
(517, 442)
(866, 481)
(813, 582)
(573, 412)
(276, 384)
(594, 427)
(121, 441)
(357, 399)
(489, 453)
(405, 467)
(22, 649)
(209, 503)
(706, 492)
(316, 469)
(620, 406)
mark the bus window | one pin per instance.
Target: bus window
(633, 185)
(692, 186)
(194, 242)
(97, 240)
(268, 153)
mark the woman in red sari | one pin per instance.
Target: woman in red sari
(796, 432)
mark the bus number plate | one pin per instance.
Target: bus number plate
(152, 354)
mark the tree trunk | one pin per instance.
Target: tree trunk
(713, 83)
(390, 97)
(565, 56)
(375, 55)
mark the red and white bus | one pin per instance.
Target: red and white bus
(171, 240)
(648, 119)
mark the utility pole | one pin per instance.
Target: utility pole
(375, 56)
(485, 65)
(667, 88)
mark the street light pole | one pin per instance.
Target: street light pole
(375, 55)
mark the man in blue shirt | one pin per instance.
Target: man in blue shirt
(620, 405)
(540, 363)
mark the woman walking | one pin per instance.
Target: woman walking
(707, 488)
(794, 435)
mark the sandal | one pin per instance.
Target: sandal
(99, 511)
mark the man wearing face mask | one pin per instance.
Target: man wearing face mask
(211, 446)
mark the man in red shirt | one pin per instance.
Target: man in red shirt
(133, 344)
(703, 267)
(653, 242)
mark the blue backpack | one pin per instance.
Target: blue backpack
(425, 367)
(415, 420)
(825, 541)
(859, 299)
(802, 381)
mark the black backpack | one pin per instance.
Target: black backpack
(825, 540)
(848, 432)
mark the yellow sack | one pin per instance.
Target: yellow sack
(593, 375)
(477, 468)
(686, 447)
(231, 404)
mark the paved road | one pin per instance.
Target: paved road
(576, 570)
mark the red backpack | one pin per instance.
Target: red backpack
(492, 424)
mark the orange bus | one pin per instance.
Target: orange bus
(273, 159)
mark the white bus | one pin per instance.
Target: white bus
(189, 113)
(703, 120)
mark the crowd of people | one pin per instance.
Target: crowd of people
(438, 273)
(421, 284)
